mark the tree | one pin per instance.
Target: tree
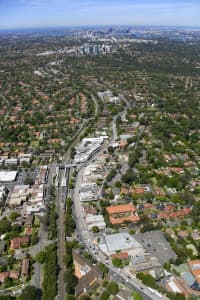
(147, 280)
(105, 296)
(34, 238)
(137, 296)
(95, 229)
(111, 149)
(129, 176)
(28, 181)
(71, 281)
(176, 296)
(31, 293)
(117, 262)
(4, 226)
(40, 257)
(84, 297)
(111, 175)
(179, 297)
(118, 184)
(102, 268)
(13, 216)
(167, 266)
(49, 285)
(70, 297)
(113, 288)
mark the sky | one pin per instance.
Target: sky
(50, 13)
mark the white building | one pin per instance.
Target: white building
(2, 193)
(121, 241)
(114, 100)
(8, 176)
(19, 195)
(96, 220)
(87, 148)
(11, 162)
(88, 196)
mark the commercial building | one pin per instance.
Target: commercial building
(42, 175)
(124, 242)
(89, 191)
(121, 214)
(88, 196)
(11, 162)
(87, 148)
(19, 195)
(97, 220)
(37, 193)
(8, 176)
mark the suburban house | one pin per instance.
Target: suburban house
(17, 242)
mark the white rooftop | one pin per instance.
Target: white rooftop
(174, 287)
(120, 241)
(95, 218)
(8, 175)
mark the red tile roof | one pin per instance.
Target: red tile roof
(25, 266)
(14, 274)
(124, 191)
(122, 255)
(169, 207)
(133, 218)
(120, 209)
(4, 276)
(175, 214)
(139, 190)
(195, 269)
(17, 242)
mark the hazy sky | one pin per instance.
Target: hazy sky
(39, 13)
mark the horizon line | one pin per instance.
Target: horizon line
(97, 25)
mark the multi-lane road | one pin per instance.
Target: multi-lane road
(86, 237)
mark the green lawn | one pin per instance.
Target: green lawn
(35, 144)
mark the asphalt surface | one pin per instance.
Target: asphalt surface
(85, 236)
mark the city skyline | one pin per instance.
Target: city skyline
(53, 13)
